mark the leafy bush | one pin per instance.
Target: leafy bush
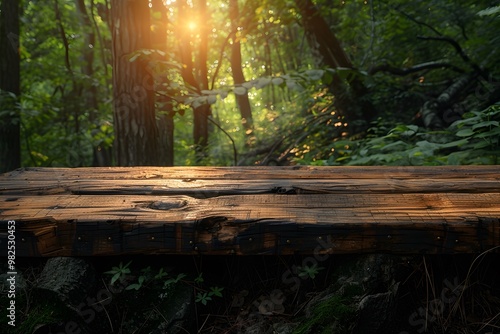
(471, 140)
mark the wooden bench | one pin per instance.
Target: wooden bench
(251, 210)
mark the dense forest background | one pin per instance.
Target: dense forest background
(192, 82)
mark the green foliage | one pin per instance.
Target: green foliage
(172, 281)
(60, 123)
(473, 140)
(309, 271)
(119, 272)
(66, 111)
(123, 274)
(199, 279)
(495, 10)
(205, 297)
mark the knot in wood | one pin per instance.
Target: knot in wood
(168, 205)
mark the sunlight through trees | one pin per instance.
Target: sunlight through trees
(247, 82)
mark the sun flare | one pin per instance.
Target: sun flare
(192, 25)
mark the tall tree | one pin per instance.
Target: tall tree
(353, 102)
(202, 113)
(194, 67)
(136, 134)
(236, 68)
(10, 147)
(164, 102)
(88, 91)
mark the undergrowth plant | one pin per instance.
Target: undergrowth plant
(309, 271)
(472, 140)
(162, 280)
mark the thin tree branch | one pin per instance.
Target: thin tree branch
(235, 152)
(417, 68)
(63, 37)
(221, 55)
(99, 37)
(417, 21)
(372, 34)
(457, 47)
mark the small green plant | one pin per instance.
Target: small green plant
(138, 285)
(199, 279)
(119, 272)
(145, 276)
(309, 271)
(161, 274)
(171, 281)
(205, 297)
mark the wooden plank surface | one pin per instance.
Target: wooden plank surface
(251, 210)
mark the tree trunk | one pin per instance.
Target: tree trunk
(10, 118)
(238, 76)
(136, 134)
(195, 74)
(165, 113)
(89, 92)
(201, 113)
(353, 103)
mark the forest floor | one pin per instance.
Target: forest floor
(269, 294)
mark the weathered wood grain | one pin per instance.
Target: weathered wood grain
(252, 210)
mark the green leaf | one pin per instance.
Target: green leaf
(133, 286)
(398, 145)
(199, 279)
(248, 84)
(223, 94)
(492, 133)
(239, 90)
(203, 298)
(456, 143)
(314, 74)
(489, 11)
(211, 99)
(277, 81)
(199, 101)
(115, 278)
(481, 144)
(291, 84)
(485, 124)
(160, 274)
(134, 57)
(465, 133)
(263, 82)
(216, 291)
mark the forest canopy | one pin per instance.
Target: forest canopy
(255, 82)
